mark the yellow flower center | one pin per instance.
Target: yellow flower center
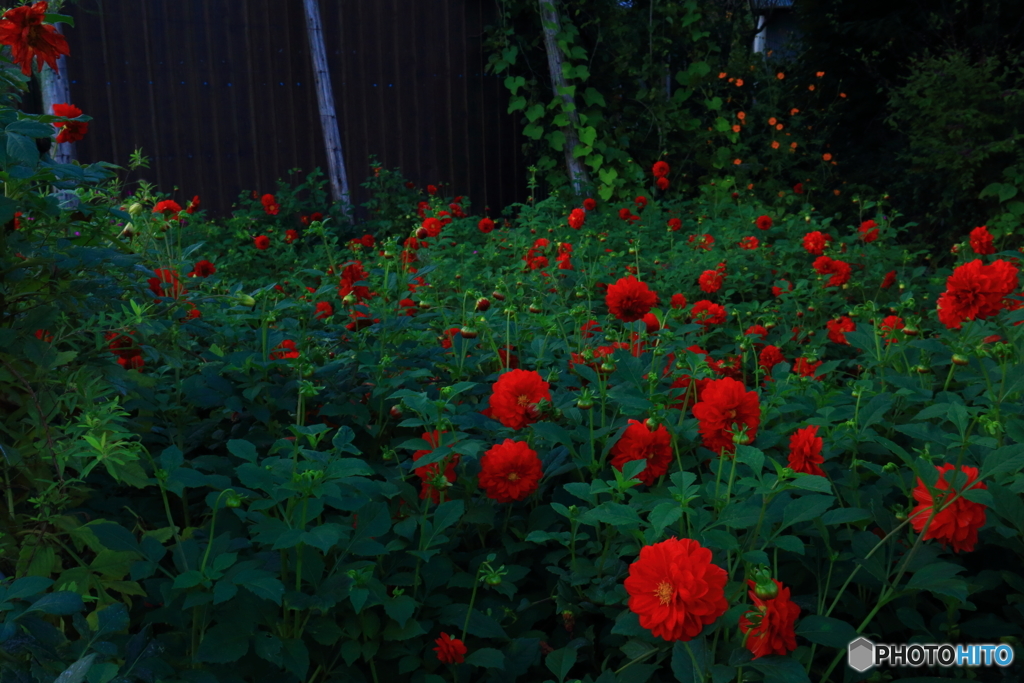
(524, 400)
(513, 476)
(664, 592)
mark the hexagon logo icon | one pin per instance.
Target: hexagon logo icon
(861, 655)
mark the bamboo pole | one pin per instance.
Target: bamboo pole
(552, 27)
(325, 100)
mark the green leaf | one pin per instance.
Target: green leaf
(323, 537)
(805, 508)
(77, 671)
(812, 482)
(400, 608)
(940, 578)
(533, 131)
(690, 661)
(115, 537)
(32, 129)
(25, 587)
(663, 515)
(266, 586)
(242, 449)
(561, 661)
(534, 112)
(556, 139)
(480, 624)
(342, 441)
(488, 658)
(188, 579)
(845, 516)
(1005, 459)
(593, 98)
(790, 543)
(516, 103)
(514, 83)
(826, 631)
(780, 670)
(59, 602)
(447, 514)
(616, 514)
(588, 135)
(8, 207)
(51, 18)
(22, 148)
(223, 644)
(112, 619)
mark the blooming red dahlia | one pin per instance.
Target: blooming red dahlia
(675, 589)
(23, 29)
(640, 443)
(724, 403)
(976, 291)
(769, 627)
(954, 524)
(510, 471)
(805, 451)
(629, 299)
(514, 398)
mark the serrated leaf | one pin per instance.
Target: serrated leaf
(805, 508)
(940, 578)
(616, 514)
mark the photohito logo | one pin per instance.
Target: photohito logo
(862, 654)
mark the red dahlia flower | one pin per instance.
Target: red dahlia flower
(270, 205)
(515, 396)
(640, 443)
(889, 280)
(769, 357)
(165, 283)
(629, 299)
(805, 451)
(710, 281)
(510, 471)
(675, 224)
(749, 243)
(706, 313)
(868, 231)
(290, 236)
(660, 169)
(770, 626)
(70, 131)
(723, 404)
(764, 222)
(982, 242)
(203, 269)
(890, 326)
(450, 650)
(429, 474)
(839, 270)
(675, 589)
(815, 242)
(168, 207)
(662, 184)
(485, 225)
(262, 242)
(290, 350)
(324, 310)
(589, 204)
(23, 29)
(837, 329)
(678, 301)
(641, 203)
(806, 368)
(576, 218)
(798, 188)
(955, 523)
(192, 205)
(976, 291)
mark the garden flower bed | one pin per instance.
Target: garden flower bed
(663, 440)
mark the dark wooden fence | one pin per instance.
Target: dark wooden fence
(219, 94)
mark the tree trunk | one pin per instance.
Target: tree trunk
(56, 90)
(574, 166)
(325, 100)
